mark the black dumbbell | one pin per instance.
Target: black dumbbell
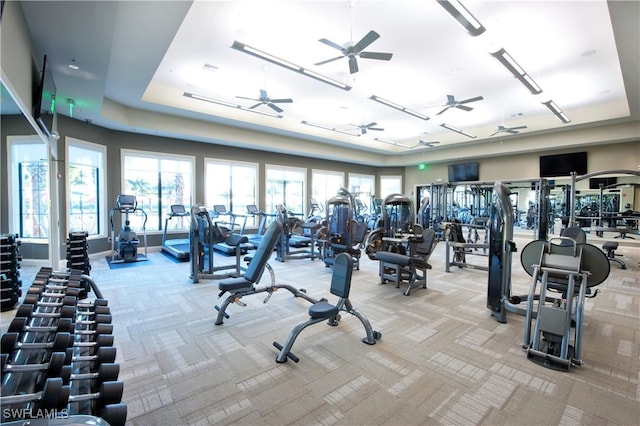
(21, 325)
(31, 311)
(114, 414)
(104, 355)
(52, 368)
(107, 393)
(101, 340)
(53, 396)
(50, 300)
(11, 342)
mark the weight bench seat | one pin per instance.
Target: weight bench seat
(610, 248)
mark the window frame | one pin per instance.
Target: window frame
(280, 168)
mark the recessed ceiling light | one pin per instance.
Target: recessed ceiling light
(74, 67)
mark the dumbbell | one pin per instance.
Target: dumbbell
(101, 340)
(107, 393)
(30, 311)
(10, 342)
(114, 414)
(52, 368)
(21, 325)
(104, 355)
(58, 299)
(53, 396)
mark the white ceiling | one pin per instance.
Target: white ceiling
(143, 56)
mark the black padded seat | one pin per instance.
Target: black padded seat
(610, 248)
(610, 245)
(323, 310)
(234, 284)
(395, 258)
(236, 239)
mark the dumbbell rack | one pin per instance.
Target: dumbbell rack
(58, 358)
(78, 256)
(9, 271)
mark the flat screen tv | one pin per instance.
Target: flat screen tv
(594, 183)
(464, 172)
(44, 93)
(563, 164)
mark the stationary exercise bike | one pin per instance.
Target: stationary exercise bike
(127, 239)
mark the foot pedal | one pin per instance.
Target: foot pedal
(239, 302)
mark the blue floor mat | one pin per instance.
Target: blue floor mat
(140, 262)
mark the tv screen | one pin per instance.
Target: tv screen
(563, 164)
(465, 172)
(594, 183)
(44, 93)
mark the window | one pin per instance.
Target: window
(325, 184)
(390, 185)
(236, 186)
(285, 185)
(363, 188)
(85, 187)
(157, 181)
(29, 183)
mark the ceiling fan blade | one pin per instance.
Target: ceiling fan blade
(281, 101)
(366, 41)
(466, 101)
(376, 55)
(353, 65)
(451, 100)
(332, 44)
(518, 127)
(379, 129)
(249, 99)
(276, 108)
(329, 60)
(443, 110)
(255, 106)
(495, 133)
(513, 132)
(464, 107)
(370, 125)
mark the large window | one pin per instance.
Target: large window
(363, 188)
(157, 181)
(85, 187)
(285, 185)
(29, 183)
(233, 185)
(390, 185)
(325, 184)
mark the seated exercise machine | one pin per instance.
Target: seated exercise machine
(245, 285)
(323, 310)
(459, 248)
(610, 248)
(203, 236)
(177, 247)
(228, 227)
(343, 232)
(569, 269)
(305, 243)
(397, 217)
(410, 264)
(127, 240)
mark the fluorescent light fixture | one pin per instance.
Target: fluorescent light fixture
(333, 129)
(398, 107)
(463, 16)
(389, 142)
(557, 111)
(228, 104)
(288, 65)
(462, 132)
(517, 71)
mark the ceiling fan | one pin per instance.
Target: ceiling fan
(512, 130)
(370, 126)
(427, 144)
(351, 51)
(264, 99)
(453, 103)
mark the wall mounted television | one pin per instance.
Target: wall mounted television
(44, 94)
(563, 164)
(464, 172)
(594, 183)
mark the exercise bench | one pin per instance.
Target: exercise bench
(245, 285)
(610, 249)
(323, 310)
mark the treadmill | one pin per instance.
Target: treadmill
(256, 238)
(177, 247)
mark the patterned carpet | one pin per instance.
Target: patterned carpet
(442, 358)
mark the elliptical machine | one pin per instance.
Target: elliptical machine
(127, 239)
